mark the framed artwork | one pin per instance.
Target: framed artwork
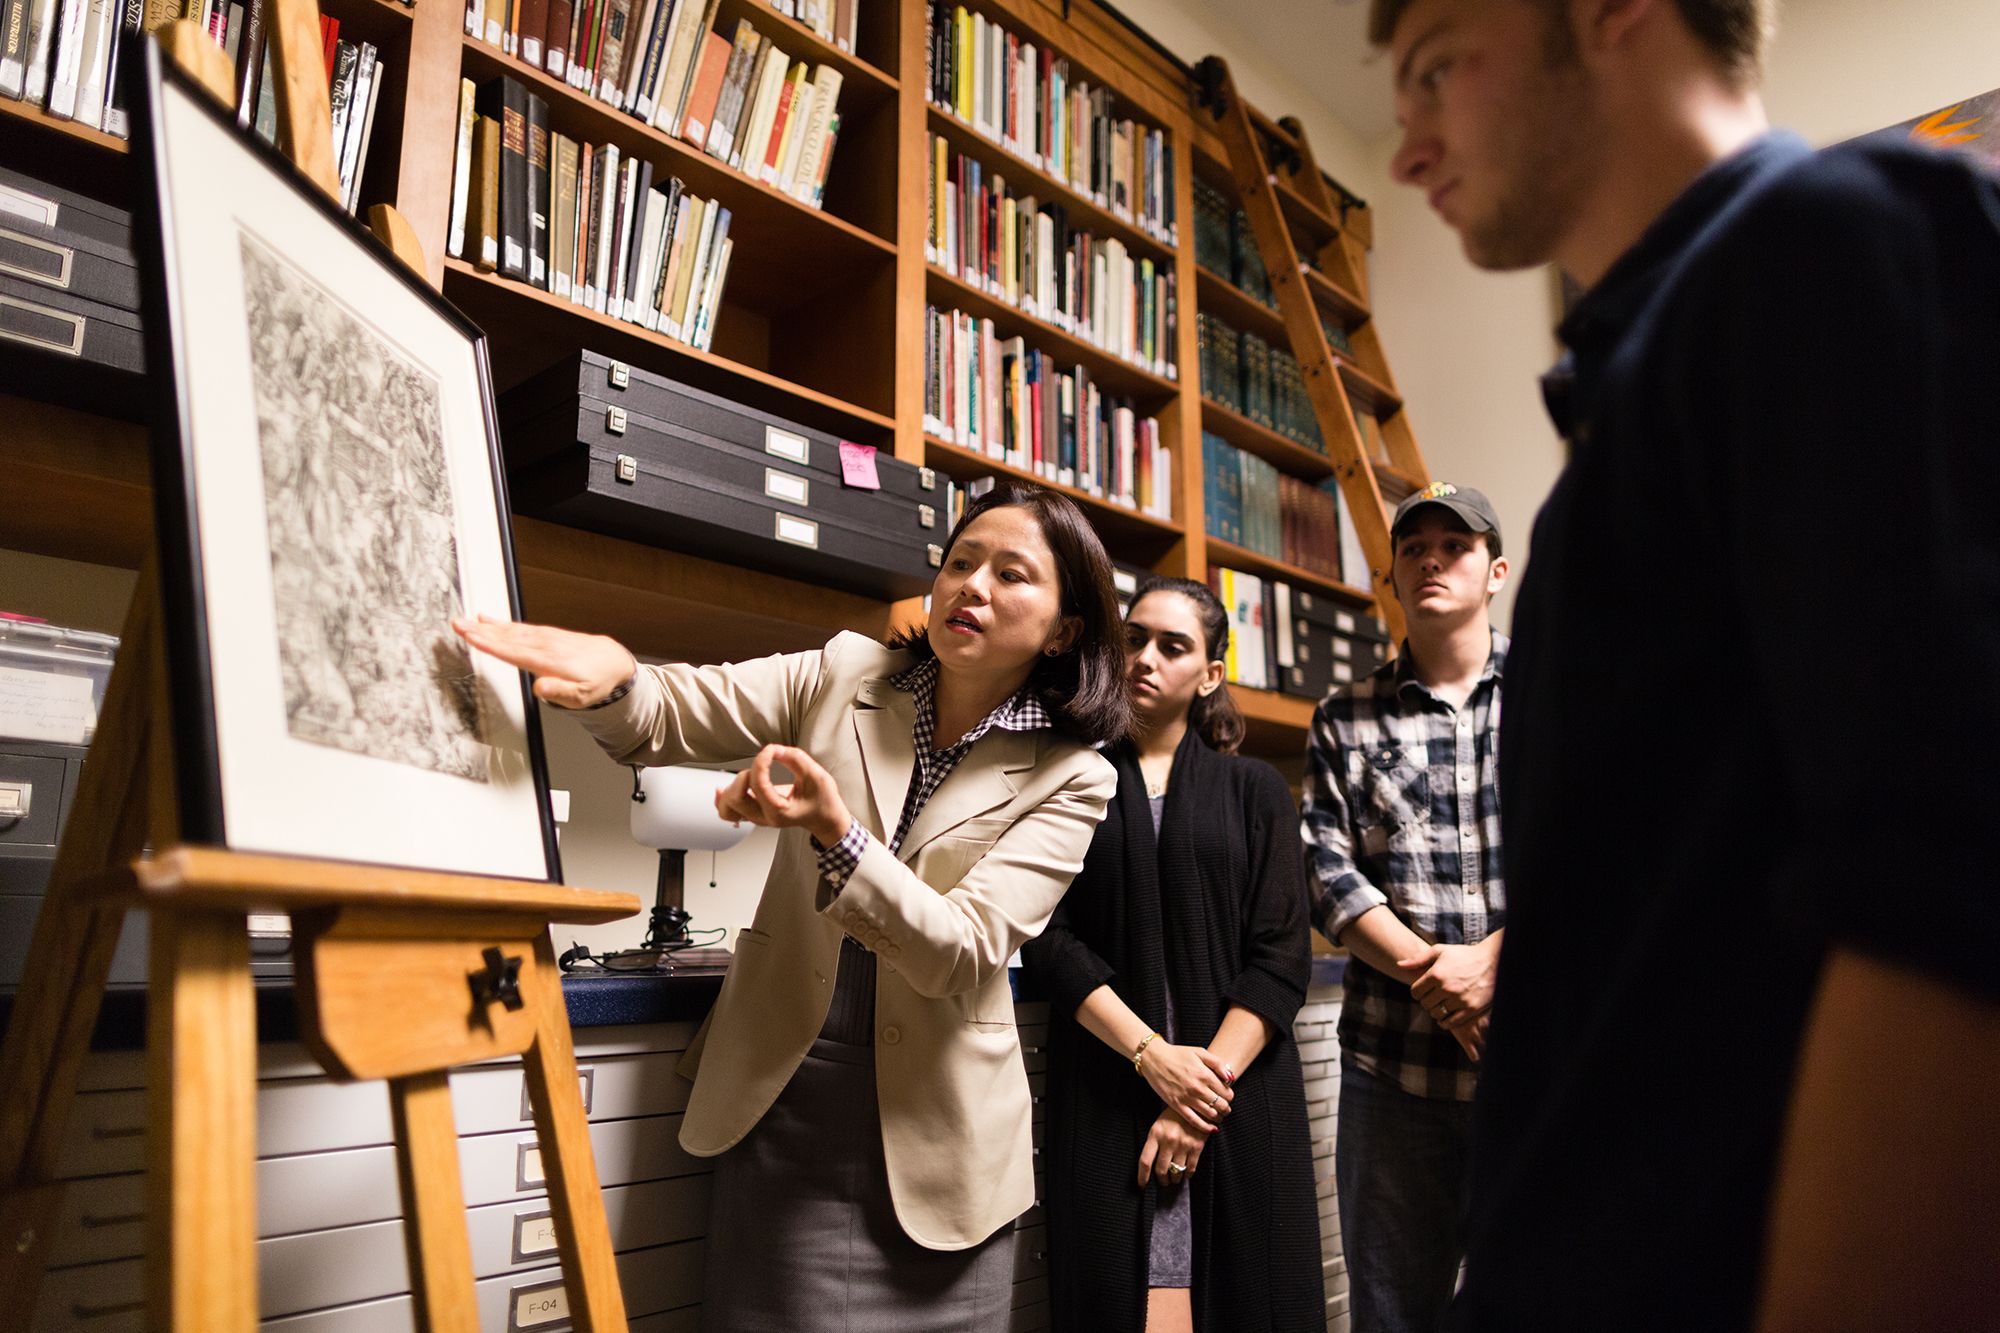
(329, 493)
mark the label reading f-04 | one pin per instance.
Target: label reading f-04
(539, 1306)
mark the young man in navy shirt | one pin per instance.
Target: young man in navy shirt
(1740, 1065)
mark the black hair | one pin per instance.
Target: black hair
(1214, 716)
(1083, 688)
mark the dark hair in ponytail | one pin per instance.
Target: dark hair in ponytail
(1214, 716)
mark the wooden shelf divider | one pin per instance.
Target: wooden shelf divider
(1281, 451)
(1234, 556)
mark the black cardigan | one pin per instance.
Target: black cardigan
(1219, 907)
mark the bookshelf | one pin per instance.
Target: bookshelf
(822, 318)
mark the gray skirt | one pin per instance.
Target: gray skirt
(803, 1235)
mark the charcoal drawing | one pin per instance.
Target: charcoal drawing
(364, 560)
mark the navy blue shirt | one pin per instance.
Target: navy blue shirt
(1753, 713)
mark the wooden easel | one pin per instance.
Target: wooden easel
(400, 974)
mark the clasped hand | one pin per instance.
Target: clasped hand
(1454, 984)
(1193, 1083)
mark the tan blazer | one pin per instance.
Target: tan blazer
(980, 872)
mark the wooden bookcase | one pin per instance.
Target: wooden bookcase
(822, 319)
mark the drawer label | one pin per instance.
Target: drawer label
(534, 1235)
(538, 1306)
(786, 486)
(786, 444)
(528, 1171)
(797, 531)
(586, 1082)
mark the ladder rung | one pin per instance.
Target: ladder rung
(1302, 214)
(1366, 392)
(1349, 309)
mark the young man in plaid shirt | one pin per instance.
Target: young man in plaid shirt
(1402, 830)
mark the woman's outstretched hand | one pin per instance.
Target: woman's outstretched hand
(571, 670)
(811, 800)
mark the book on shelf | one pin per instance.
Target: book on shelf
(1249, 502)
(740, 99)
(483, 194)
(602, 231)
(1024, 251)
(1014, 403)
(63, 56)
(468, 115)
(1026, 99)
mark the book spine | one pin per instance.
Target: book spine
(367, 136)
(781, 119)
(605, 225)
(534, 24)
(706, 90)
(461, 175)
(635, 229)
(654, 31)
(718, 272)
(621, 227)
(13, 47)
(673, 247)
(340, 93)
(611, 53)
(506, 100)
(538, 192)
(555, 38)
(562, 214)
(722, 123)
(357, 121)
(484, 205)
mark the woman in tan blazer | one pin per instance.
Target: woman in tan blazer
(860, 1079)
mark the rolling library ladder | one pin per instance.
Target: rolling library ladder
(1371, 485)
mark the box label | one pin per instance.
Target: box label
(40, 706)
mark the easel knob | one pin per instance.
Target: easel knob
(499, 982)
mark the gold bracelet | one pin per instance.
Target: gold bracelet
(1139, 1054)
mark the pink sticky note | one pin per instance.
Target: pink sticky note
(857, 466)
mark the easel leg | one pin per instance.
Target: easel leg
(590, 1275)
(201, 1143)
(434, 1234)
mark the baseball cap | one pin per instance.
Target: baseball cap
(1470, 505)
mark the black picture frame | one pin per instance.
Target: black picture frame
(161, 93)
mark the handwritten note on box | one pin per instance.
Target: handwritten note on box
(38, 706)
(857, 466)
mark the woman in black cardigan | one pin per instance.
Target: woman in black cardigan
(1179, 1185)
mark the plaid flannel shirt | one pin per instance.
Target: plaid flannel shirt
(1402, 807)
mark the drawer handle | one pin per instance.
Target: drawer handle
(103, 1133)
(102, 1311)
(63, 257)
(90, 1222)
(63, 332)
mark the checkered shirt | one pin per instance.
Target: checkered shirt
(1402, 807)
(1021, 712)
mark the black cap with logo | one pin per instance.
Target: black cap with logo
(1470, 506)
